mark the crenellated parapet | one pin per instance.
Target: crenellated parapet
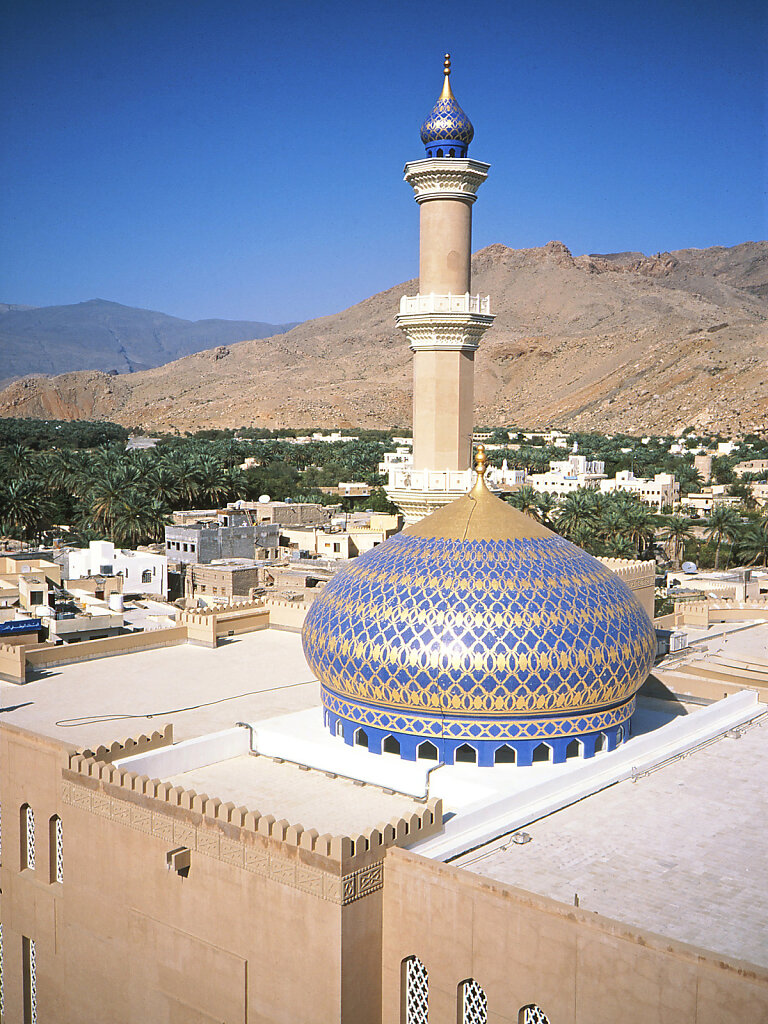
(338, 868)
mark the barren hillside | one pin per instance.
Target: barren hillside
(614, 342)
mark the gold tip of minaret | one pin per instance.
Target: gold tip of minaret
(446, 94)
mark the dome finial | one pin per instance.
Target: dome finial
(481, 461)
(481, 465)
(447, 94)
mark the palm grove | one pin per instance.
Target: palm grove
(80, 476)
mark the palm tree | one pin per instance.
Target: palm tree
(17, 461)
(526, 500)
(753, 546)
(24, 510)
(639, 526)
(724, 524)
(547, 503)
(577, 517)
(678, 530)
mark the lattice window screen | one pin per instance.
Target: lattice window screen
(474, 1005)
(2, 1000)
(534, 1015)
(32, 982)
(30, 826)
(59, 852)
(416, 992)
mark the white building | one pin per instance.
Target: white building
(663, 490)
(565, 477)
(142, 571)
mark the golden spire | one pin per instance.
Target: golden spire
(446, 94)
(481, 465)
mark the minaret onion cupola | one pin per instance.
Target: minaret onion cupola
(447, 132)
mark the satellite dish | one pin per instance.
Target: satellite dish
(264, 499)
(689, 567)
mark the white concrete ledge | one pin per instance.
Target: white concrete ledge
(189, 754)
(475, 825)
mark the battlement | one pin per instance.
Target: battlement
(237, 835)
(127, 747)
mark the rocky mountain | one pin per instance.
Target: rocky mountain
(607, 342)
(100, 335)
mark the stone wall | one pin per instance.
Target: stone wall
(523, 949)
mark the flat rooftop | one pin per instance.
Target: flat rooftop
(248, 678)
(681, 851)
(309, 798)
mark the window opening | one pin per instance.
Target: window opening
(361, 738)
(473, 1003)
(29, 959)
(601, 742)
(57, 849)
(505, 755)
(416, 985)
(427, 751)
(573, 749)
(466, 753)
(27, 837)
(391, 745)
(532, 1014)
(542, 753)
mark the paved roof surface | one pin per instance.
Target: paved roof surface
(248, 678)
(681, 852)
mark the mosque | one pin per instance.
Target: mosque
(448, 801)
(476, 634)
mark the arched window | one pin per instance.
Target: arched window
(27, 837)
(532, 1014)
(601, 743)
(573, 749)
(505, 755)
(620, 735)
(452, 152)
(56, 848)
(466, 753)
(390, 745)
(542, 753)
(427, 751)
(339, 727)
(146, 576)
(439, 152)
(473, 1005)
(361, 738)
(414, 986)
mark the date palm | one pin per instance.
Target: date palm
(677, 530)
(724, 524)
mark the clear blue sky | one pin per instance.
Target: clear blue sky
(244, 159)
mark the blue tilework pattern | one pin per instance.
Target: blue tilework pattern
(447, 122)
(484, 632)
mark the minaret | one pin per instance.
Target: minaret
(444, 322)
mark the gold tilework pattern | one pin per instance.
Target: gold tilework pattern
(519, 627)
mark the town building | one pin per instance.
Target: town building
(757, 466)
(232, 534)
(359, 533)
(566, 476)
(142, 571)
(709, 498)
(663, 491)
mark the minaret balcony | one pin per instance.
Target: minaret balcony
(432, 303)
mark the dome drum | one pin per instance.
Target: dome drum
(453, 740)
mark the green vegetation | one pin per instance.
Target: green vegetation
(80, 475)
(127, 496)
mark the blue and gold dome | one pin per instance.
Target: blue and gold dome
(447, 131)
(479, 635)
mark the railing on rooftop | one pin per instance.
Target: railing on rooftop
(449, 303)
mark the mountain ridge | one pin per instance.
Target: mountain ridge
(612, 342)
(99, 334)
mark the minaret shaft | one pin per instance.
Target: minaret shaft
(443, 404)
(445, 247)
